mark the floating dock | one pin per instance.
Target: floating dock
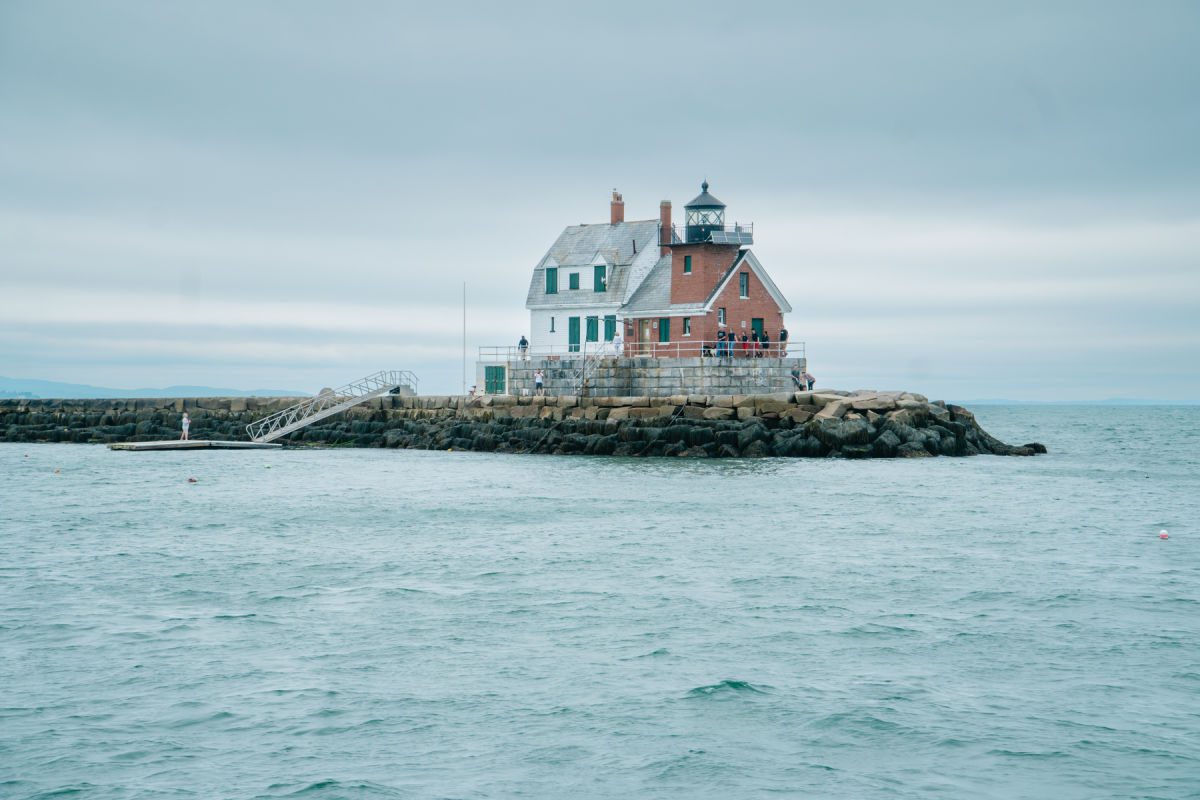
(193, 444)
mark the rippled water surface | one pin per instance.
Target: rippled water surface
(373, 623)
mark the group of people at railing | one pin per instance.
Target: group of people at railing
(752, 344)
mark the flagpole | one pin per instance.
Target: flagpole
(464, 374)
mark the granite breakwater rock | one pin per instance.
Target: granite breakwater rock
(840, 424)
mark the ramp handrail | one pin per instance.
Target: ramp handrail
(329, 402)
(582, 372)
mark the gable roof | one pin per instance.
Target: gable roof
(654, 295)
(747, 258)
(628, 249)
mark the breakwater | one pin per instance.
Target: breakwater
(864, 424)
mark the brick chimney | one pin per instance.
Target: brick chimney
(664, 227)
(617, 209)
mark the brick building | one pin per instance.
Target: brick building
(669, 288)
(655, 300)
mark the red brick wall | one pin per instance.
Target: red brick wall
(758, 304)
(709, 262)
(704, 327)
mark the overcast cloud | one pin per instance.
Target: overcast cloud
(963, 200)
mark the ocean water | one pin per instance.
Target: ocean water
(374, 623)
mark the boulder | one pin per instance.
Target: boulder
(875, 403)
(912, 450)
(716, 412)
(800, 413)
(771, 407)
(834, 409)
(618, 414)
(885, 445)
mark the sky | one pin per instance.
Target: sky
(962, 199)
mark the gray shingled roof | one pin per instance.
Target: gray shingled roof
(578, 246)
(655, 293)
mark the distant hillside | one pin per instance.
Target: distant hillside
(32, 388)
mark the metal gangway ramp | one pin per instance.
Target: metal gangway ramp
(330, 402)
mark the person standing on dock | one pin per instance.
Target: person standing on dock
(523, 347)
(809, 379)
(186, 424)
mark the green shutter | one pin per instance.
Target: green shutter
(573, 334)
(610, 327)
(593, 329)
(687, 264)
(573, 280)
(664, 329)
(601, 282)
(493, 382)
(551, 280)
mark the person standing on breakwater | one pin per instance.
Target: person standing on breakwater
(783, 342)
(764, 345)
(186, 424)
(809, 379)
(618, 344)
(539, 381)
(523, 347)
(745, 345)
(797, 378)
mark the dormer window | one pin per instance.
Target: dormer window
(573, 280)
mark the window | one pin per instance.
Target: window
(720, 316)
(573, 280)
(610, 327)
(552, 324)
(551, 280)
(593, 329)
(493, 380)
(687, 265)
(744, 284)
(572, 334)
(600, 279)
(664, 329)
(687, 326)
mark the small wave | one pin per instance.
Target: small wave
(64, 791)
(726, 687)
(662, 651)
(335, 788)
(875, 629)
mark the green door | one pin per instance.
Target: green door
(610, 327)
(493, 380)
(593, 329)
(573, 334)
(756, 325)
(664, 329)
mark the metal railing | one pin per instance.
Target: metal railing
(737, 233)
(685, 348)
(329, 402)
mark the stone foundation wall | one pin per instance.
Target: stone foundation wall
(657, 377)
(808, 424)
